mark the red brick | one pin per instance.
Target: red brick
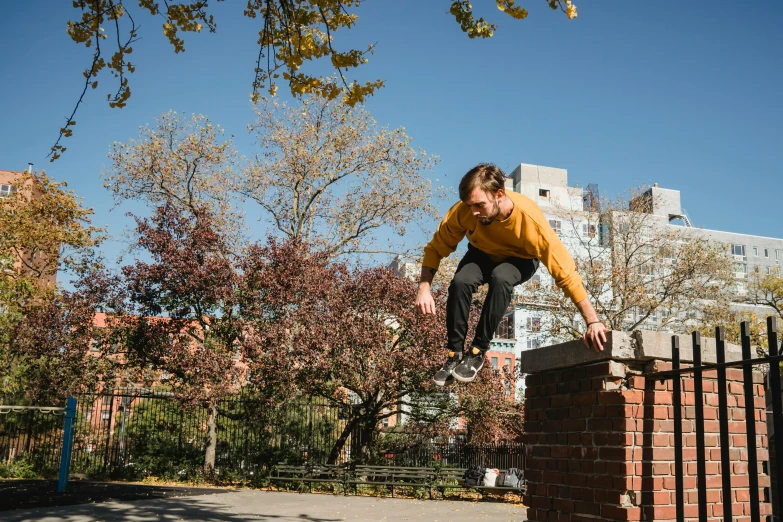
(713, 495)
(565, 506)
(575, 479)
(714, 481)
(711, 399)
(636, 382)
(588, 508)
(660, 512)
(599, 424)
(736, 427)
(560, 451)
(737, 414)
(660, 454)
(628, 483)
(611, 397)
(620, 468)
(621, 454)
(659, 397)
(559, 401)
(689, 454)
(541, 502)
(658, 498)
(736, 387)
(574, 424)
(628, 425)
(661, 468)
(621, 513)
(710, 413)
(711, 426)
(585, 398)
(734, 374)
(739, 481)
(551, 477)
(660, 412)
(585, 494)
(633, 396)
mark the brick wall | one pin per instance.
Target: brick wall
(600, 444)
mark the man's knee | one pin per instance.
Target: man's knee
(464, 280)
(503, 280)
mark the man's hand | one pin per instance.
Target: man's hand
(424, 301)
(595, 337)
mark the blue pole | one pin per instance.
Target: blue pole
(65, 458)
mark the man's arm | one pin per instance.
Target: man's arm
(424, 301)
(595, 336)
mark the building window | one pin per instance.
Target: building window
(588, 230)
(767, 270)
(533, 342)
(107, 399)
(508, 363)
(535, 281)
(543, 193)
(505, 329)
(738, 250)
(105, 414)
(494, 363)
(534, 324)
(556, 225)
(777, 254)
(755, 252)
(766, 252)
(6, 190)
(95, 346)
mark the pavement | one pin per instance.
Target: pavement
(142, 503)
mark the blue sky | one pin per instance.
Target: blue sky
(683, 94)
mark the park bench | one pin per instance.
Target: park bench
(308, 474)
(453, 478)
(391, 477)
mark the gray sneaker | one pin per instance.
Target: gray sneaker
(443, 376)
(471, 364)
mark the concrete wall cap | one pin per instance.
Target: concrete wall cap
(640, 345)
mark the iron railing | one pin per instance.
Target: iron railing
(458, 454)
(135, 433)
(697, 370)
(31, 436)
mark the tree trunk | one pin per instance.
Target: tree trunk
(340, 442)
(369, 430)
(209, 456)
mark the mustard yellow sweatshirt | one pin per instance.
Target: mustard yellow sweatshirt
(526, 233)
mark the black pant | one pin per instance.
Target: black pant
(475, 269)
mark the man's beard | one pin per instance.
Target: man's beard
(489, 219)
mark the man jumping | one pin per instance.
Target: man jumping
(508, 236)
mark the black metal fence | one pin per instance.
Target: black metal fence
(747, 363)
(30, 440)
(137, 433)
(459, 455)
(130, 434)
